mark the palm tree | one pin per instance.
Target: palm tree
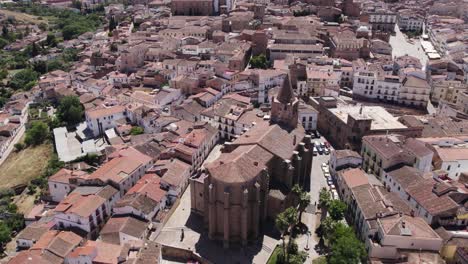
(291, 216)
(324, 201)
(304, 201)
(282, 224)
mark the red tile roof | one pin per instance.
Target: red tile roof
(149, 184)
(81, 205)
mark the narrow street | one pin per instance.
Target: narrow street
(15, 140)
(309, 217)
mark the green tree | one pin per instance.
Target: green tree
(3, 43)
(336, 209)
(34, 50)
(303, 199)
(324, 201)
(4, 234)
(77, 4)
(40, 66)
(348, 250)
(37, 133)
(282, 225)
(259, 62)
(5, 31)
(291, 216)
(3, 74)
(23, 78)
(325, 230)
(137, 130)
(70, 55)
(112, 23)
(19, 146)
(51, 40)
(70, 110)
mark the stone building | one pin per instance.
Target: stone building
(192, 8)
(285, 107)
(252, 178)
(346, 124)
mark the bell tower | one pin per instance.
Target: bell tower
(285, 106)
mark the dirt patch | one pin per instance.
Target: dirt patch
(21, 167)
(23, 17)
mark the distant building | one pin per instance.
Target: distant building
(408, 20)
(386, 151)
(101, 119)
(415, 91)
(345, 125)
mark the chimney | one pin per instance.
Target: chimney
(294, 140)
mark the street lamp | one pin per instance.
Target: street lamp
(307, 245)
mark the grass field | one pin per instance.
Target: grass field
(23, 17)
(21, 167)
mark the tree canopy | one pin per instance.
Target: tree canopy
(24, 79)
(70, 110)
(259, 62)
(137, 130)
(37, 133)
(336, 209)
(347, 249)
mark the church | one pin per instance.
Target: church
(251, 180)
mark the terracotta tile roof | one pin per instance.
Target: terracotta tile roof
(81, 205)
(452, 154)
(406, 176)
(28, 257)
(173, 171)
(64, 175)
(102, 112)
(344, 153)
(123, 163)
(423, 193)
(149, 185)
(272, 138)
(64, 243)
(106, 253)
(243, 164)
(33, 232)
(354, 177)
(127, 225)
(418, 228)
(140, 202)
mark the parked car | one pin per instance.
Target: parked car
(314, 151)
(326, 151)
(322, 145)
(320, 150)
(327, 175)
(317, 134)
(330, 182)
(332, 187)
(326, 170)
(324, 165)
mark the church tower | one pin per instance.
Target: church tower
(285, 106)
